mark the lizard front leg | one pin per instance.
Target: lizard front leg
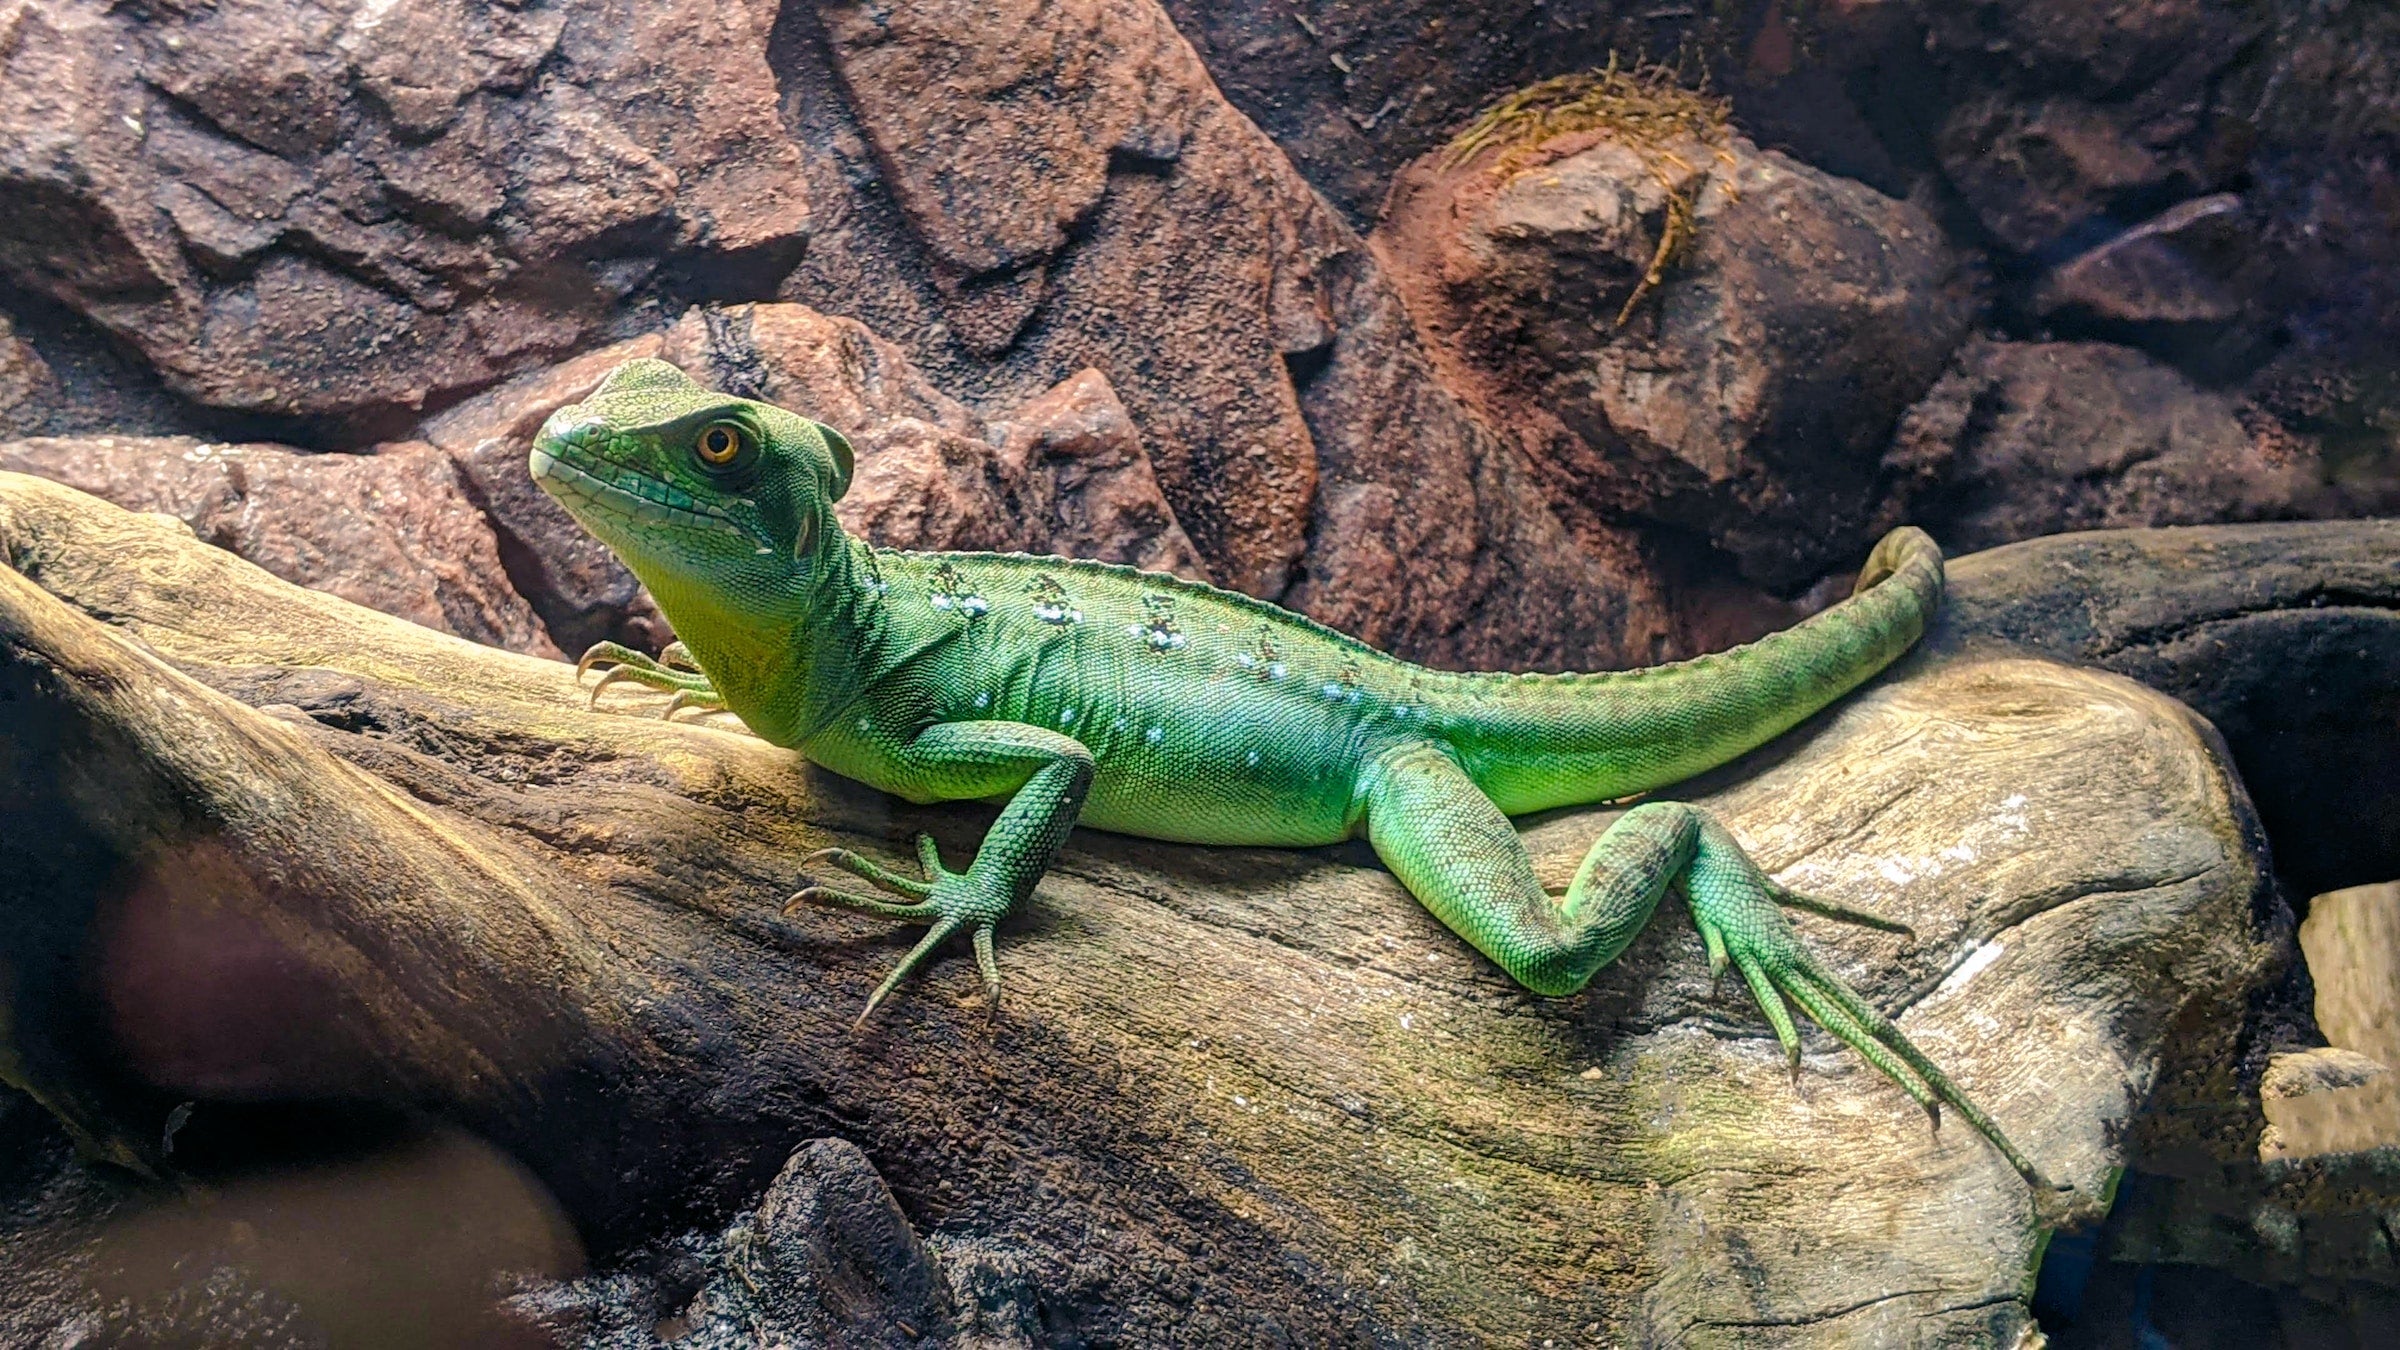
(1463, 859)
(1049, 775)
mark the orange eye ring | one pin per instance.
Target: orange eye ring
(719, 443)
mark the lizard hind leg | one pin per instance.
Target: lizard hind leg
(1462, 858)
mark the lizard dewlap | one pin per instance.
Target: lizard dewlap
(1135, 702)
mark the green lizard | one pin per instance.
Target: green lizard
(1149, 705)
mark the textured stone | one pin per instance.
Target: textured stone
(825, 1258)
(2022, 439)
(349, 210)
(1747, 398)
(995, 148)
(1086, 483)
(2175, 268)
(922, 486)
(1263, 357)
(2065, 116)
(24, 376)
(392, 530)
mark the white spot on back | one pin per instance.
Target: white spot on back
(1154, 735)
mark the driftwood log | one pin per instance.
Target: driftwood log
(259, 844)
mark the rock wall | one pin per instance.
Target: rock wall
(1368, 383)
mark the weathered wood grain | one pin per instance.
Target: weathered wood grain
(256, 842)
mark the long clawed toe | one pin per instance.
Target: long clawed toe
(672, 671)
(917, 912)
(691, 698)
(866, 869)
(1839, 912)
(1856, 1023)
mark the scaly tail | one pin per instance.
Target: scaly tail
(1539, 741)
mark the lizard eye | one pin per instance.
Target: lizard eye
(720, 444)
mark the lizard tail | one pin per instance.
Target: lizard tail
(1535, 742)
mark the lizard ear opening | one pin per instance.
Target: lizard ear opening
(844, 460)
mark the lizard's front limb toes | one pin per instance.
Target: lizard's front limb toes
(951, 902)
(828, 895)
(615, 653)
(708, 700)
(867, 869)
(608, 677)
(940, 932)
(943, 929)
(628, 665)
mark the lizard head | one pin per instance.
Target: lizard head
(702, 494)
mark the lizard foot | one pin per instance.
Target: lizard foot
(670, 671)
(951, 901)
(1738, 911)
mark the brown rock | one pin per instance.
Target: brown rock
(2034, 172)
(23, 374)
(391, 530)
(1086, 482)
(994, 147)
(1748, 395)
(2066, 115)
(1117, 79)
(920, 486)
(833, 369)
(2022, 439)
(1354, 92)
(2177, 268)
(349, 210)
(1259, 349)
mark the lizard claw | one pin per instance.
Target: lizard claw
(689, 683)
(952, 901)
(868, 870)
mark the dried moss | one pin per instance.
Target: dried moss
(1647, 108)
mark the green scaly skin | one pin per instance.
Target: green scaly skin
(1158, 707)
